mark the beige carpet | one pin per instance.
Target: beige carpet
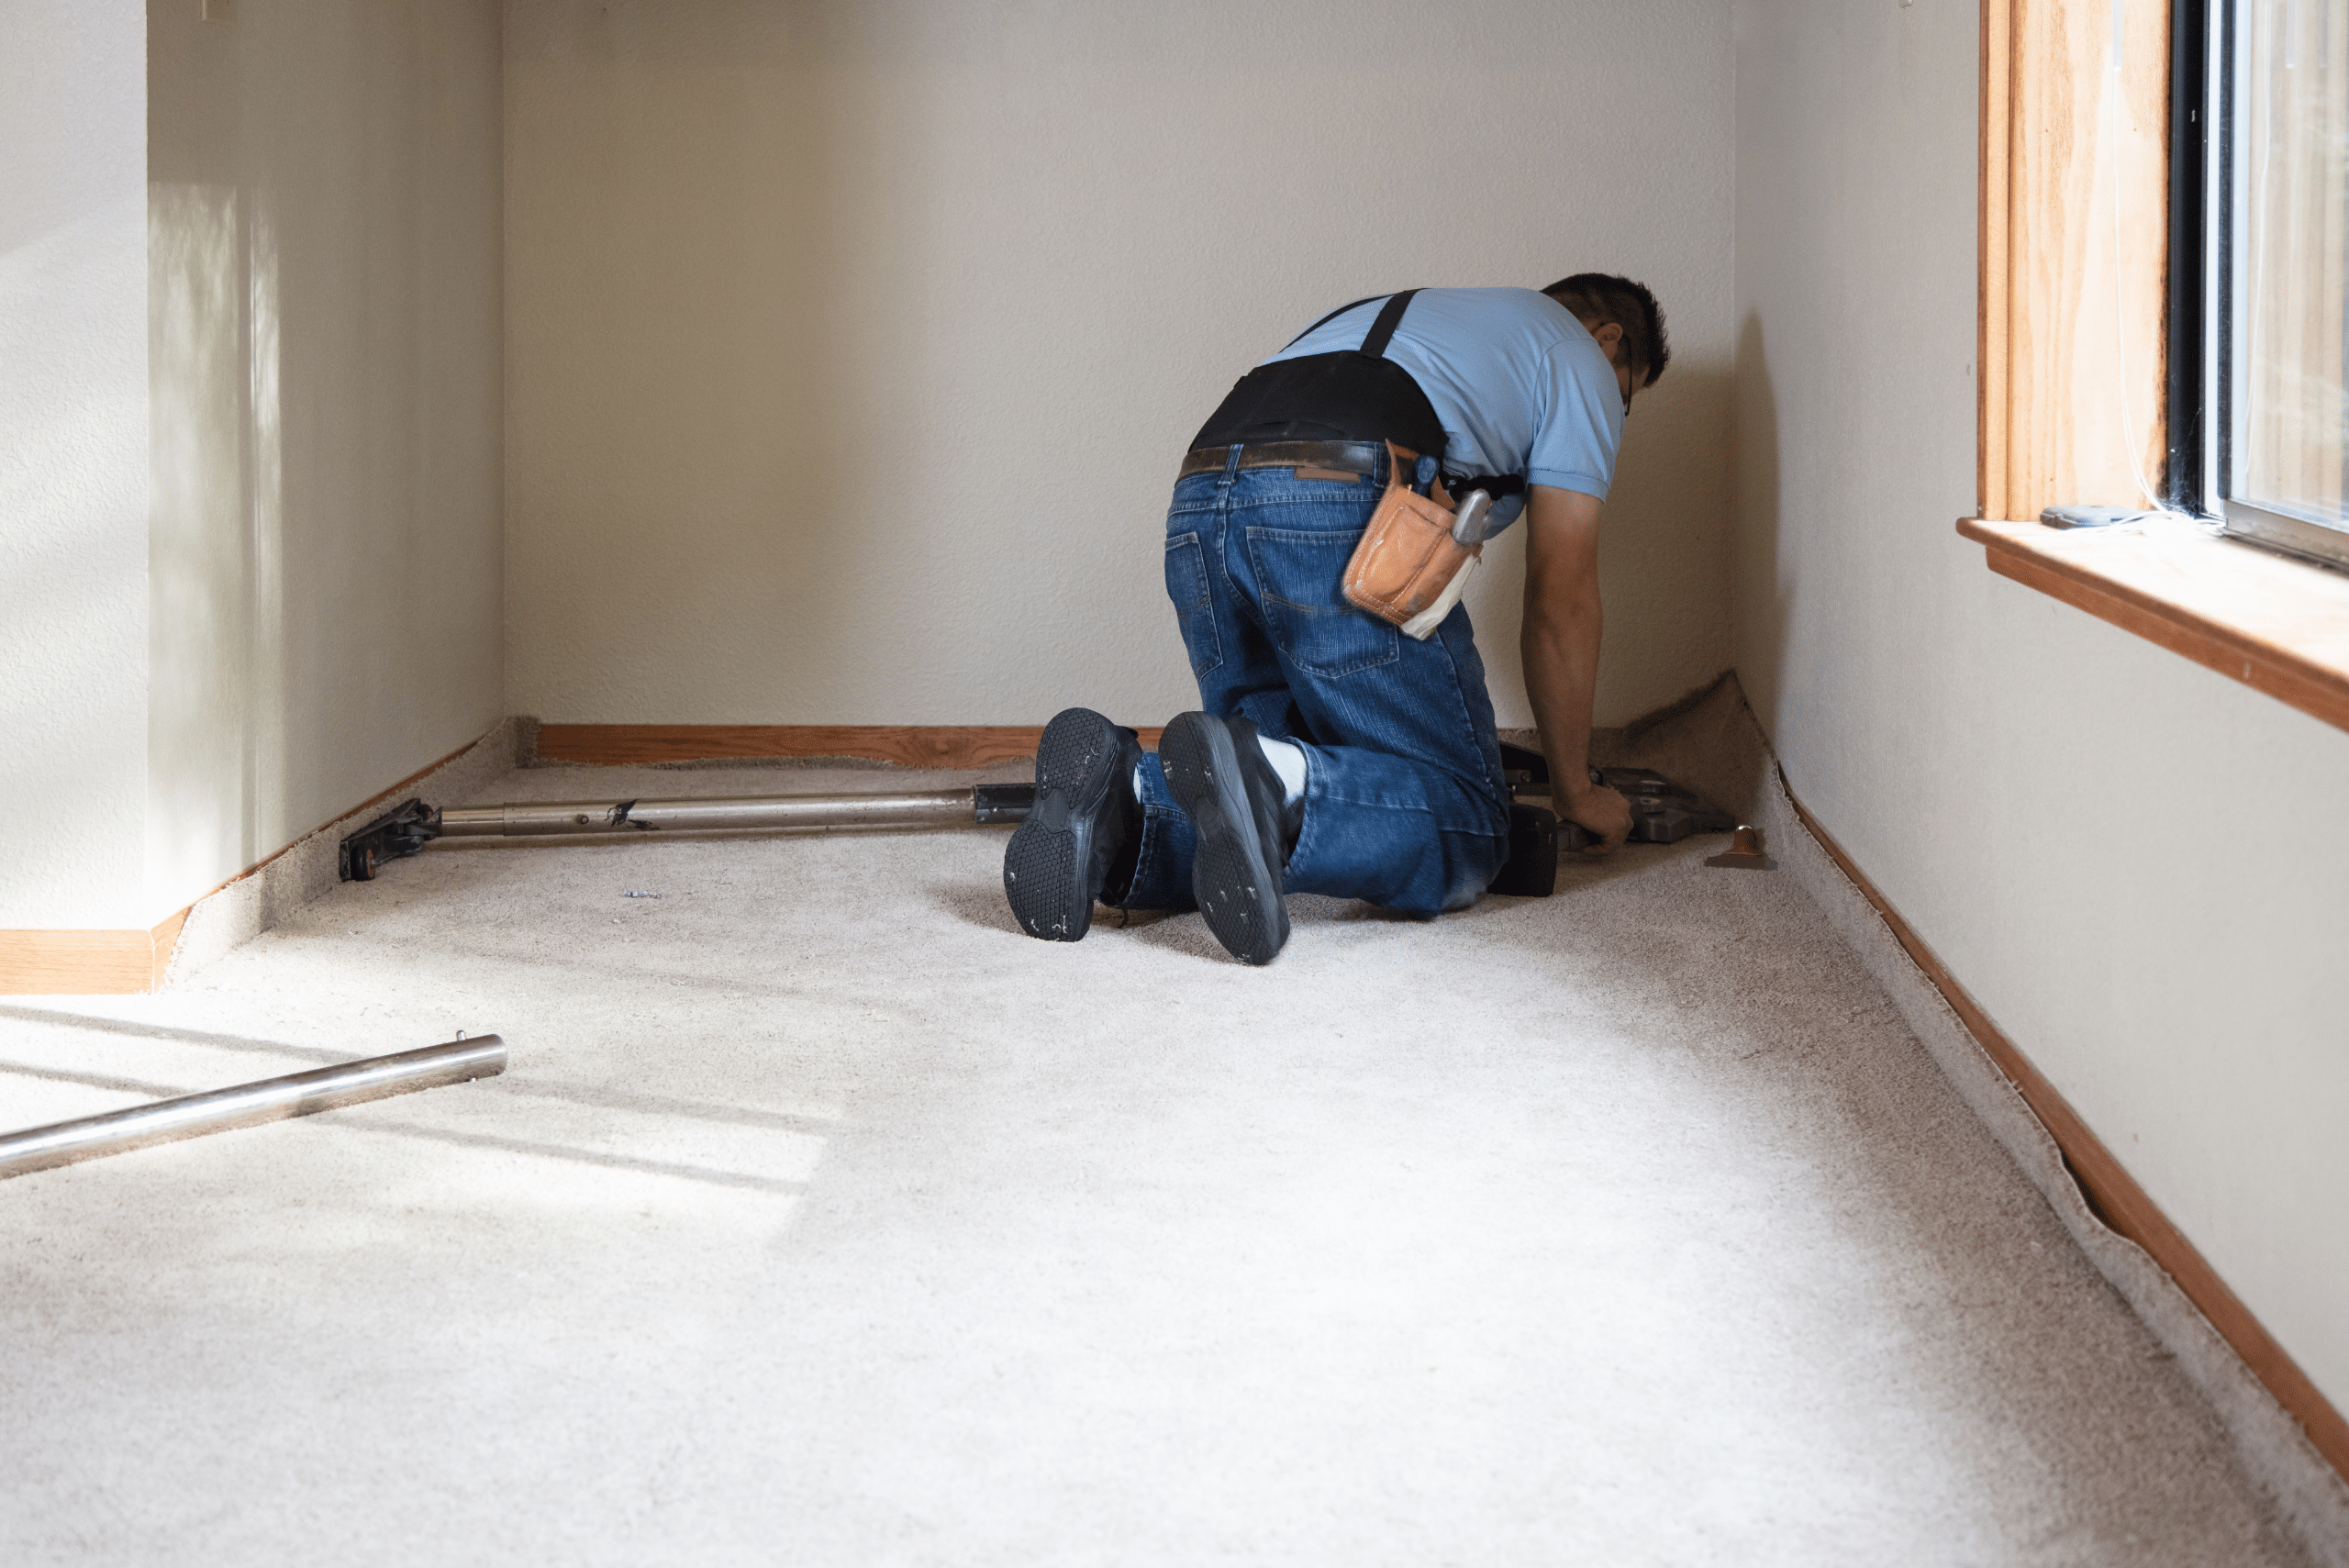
(823, 1219)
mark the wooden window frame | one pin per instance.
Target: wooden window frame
(2064, 311)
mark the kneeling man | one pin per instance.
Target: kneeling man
(1332, 754)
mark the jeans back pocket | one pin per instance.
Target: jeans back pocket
(1299, 577)
(1186, 585)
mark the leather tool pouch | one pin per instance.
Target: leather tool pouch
(1407, 557)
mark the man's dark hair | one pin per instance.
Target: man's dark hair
(1603, 297)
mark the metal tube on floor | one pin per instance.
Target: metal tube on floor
(247, 1105)
(931, 809)
(408, 827)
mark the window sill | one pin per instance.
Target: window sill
(2278, 625)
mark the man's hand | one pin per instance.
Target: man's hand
(1601, 809)
(1560, 643)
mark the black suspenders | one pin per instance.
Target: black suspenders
(1381, 330)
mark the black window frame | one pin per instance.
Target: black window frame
(2199, 394)
(2191, 25)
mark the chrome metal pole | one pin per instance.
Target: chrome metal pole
(246, 1105)
(931, 809)
(408, 827)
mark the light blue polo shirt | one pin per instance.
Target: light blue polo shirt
(1521, 386)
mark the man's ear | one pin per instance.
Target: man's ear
(1609, 337)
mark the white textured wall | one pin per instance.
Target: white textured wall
(325, 228)
(851, 346)
(2131, 863)
(72, 461)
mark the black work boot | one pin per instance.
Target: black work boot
(1083, 837)
(1224, 782)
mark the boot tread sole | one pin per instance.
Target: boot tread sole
(1237, 884)
(1044, 863)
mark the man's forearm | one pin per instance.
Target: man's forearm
(1560, 642)
(1560, 647)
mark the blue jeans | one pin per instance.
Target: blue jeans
(1404, 804)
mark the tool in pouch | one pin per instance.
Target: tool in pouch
(1415, 557)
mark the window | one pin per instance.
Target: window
(2269, 452)
(2104, 127)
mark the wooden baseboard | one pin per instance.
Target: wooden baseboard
(2112, 1192)
(86, 963)
(912, 746)
(125, 964)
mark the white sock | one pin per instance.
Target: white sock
(1288, 760)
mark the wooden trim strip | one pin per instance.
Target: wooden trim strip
(79, 963)
(86, 963)
(374, 800)
(2279, 627)
(912, 746)
(2111, 1190)
(130, 962)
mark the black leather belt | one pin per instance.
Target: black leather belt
(1347, 457)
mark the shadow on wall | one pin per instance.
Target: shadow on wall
(1665, 564)
(1765, 602)
(1666, 558)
